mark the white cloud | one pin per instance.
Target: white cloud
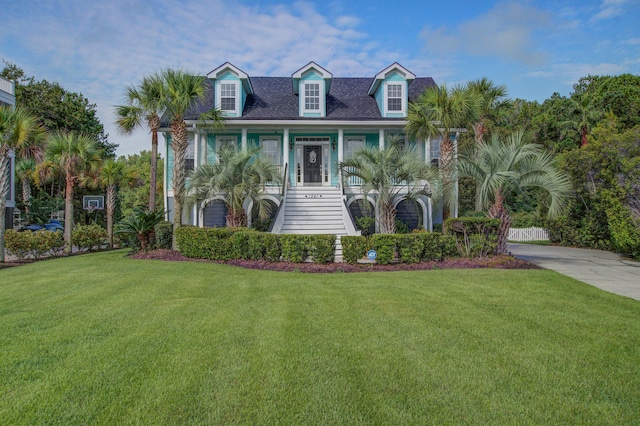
(97, 47)
(609, 9)
(569, 74)
(506, 31)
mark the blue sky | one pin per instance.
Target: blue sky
(535, 48)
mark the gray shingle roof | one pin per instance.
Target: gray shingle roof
(273, 99)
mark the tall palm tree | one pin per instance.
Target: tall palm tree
(74, 154)
(513, 165)
(390, 173)
(237, 177)
(181, 92)
(438, 112)
(144, 107)
(584, 114)
(26, 173)
(17, 130)
(492, 98)
(114, 174)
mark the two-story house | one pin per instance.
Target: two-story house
(8, 98)
(306, 124)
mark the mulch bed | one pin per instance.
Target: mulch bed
(496, 262)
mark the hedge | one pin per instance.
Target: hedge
(354, 248)
(34, 245)
(89, 237)
(474, 236)
(418, 246)
(244, 243)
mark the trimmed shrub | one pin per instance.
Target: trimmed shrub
(34, 245)
(240, 241)
(475, 236)
(385, 246)
(410, 247)
(206, 243)
(294, 248)
(89, 237)
(273, 247)
(354, 248)
(164, 235)
(321, 248)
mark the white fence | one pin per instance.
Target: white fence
(528, 234)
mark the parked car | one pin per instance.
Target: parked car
(52, 225)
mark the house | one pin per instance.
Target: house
(305, 124)
(8, 98)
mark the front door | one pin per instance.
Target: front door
(313, 164)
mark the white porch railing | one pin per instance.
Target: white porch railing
(7, 86)
(528, 234)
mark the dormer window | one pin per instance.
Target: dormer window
(228, 97)
(312, 83)
(394, 97)
(312, 97)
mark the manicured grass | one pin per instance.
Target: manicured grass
(102, 339)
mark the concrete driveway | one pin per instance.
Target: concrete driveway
(608, 271)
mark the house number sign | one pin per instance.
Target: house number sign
(313, 196)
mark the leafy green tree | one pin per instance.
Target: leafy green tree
(515, 164)
(143, 108)
(137, 195)
(237, 177)
(58, 109)
(389, 173)
(18, 129)
(583, 116)
(181, 92)
(618, 94)
(440, 112)
(74, 154)
(114, 174)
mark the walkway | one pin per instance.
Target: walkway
(608, 271)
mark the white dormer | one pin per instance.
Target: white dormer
(390, 87)
(232, 86)
(312, 83)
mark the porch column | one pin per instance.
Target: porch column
(196, 148)
(381, 139)
(340, 144)
(244, 140)
(285, 147)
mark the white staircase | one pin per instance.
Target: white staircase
(315, 210)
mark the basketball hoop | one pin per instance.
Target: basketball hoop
(90, 209)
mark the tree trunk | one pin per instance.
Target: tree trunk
(68, 211)
(445, 164)
(583, 136)
(387, 219)
(26, 194)
(111, 206)
(4, 190)
(498, 211)
(236, 218)
(154, 124)
(179, 146)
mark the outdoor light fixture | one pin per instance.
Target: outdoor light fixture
(333, 145)
(290, 144)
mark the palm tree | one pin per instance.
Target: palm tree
(584, 115)
(18, 129)
(491, 99)
(439, 112)
(74, 154)
(181, 92)
(144, 107)
(236, 177)
(26, 173)
(112, 175)
(513, 165)
(389, 173)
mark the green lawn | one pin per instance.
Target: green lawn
(102, 339)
